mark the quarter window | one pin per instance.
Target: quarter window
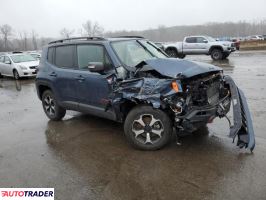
(2, 59)
(50, 55)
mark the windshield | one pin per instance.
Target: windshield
(132, 52)
(22, 58)
(210, 39)
(36, 56)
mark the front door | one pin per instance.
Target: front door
(2, 59)
(202, 45)
(93, 89)
(190, 45)
(6, 66)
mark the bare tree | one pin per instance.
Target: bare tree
(6, 31)
(34, 36)
(93, 29)
(66, 33)
(23, 40)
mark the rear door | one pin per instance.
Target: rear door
(190, 45)
(62, 74)
(8, 69)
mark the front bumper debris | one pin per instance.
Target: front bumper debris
(242, 127)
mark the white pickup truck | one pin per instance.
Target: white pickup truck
(200, 45)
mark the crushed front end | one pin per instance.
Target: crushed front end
(208, 96)
(191, 102)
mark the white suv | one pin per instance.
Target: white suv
(18, 65)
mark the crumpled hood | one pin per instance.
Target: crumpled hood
(174, 68)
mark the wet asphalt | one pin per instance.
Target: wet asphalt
(85, 157)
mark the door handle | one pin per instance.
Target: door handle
(80, 78)
(53, 74)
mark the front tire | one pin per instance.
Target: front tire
(147, 128)
(51, 107)
(171, 53)
(181, 56)
(16, 74)
(216, 54)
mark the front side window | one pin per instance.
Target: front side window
(92, 53)
(7, 60)
(22, 58)
(132, 52)
(64, 56)
(201, 40)
(210, 39)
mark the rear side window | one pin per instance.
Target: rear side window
(2, 59)
(92, 53)
(64, 56)
(50, 55)
(191, 40)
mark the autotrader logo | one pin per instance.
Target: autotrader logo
(27, 193)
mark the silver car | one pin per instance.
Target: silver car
(18, 65)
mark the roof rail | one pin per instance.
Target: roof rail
(77, 38)
(14, 52)
(128, 36)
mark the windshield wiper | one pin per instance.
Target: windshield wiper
(146, 49)
(157, 48)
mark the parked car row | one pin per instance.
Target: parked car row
(255, 37)
(19, 64)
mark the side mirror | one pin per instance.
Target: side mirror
(8, 62)
(205, 41)
(96, 66)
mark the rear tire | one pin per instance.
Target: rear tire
(16, 74)
(225, 55)
(50, 106)
(216, 54)
(147, 128)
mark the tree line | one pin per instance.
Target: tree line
(214, 29)
(10, 40)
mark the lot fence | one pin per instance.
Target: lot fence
(253, 45)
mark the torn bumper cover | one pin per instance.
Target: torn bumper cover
(242, 127)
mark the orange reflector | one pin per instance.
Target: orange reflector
(175, 86)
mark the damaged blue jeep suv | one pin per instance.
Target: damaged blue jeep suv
(132, 81)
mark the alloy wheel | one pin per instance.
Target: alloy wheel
(16, 75)
(147, 129)
(49, 105)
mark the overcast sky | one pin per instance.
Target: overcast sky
(48, 17)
